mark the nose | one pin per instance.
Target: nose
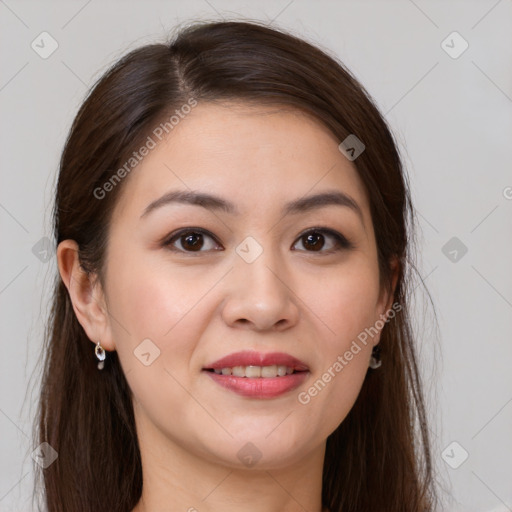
(260, 295)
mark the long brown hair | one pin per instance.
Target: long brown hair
(379, 457)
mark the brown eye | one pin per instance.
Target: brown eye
(314, 241)
(323, 240)
(191, 240)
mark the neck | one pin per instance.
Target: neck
(175, 476)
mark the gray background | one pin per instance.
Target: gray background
(453, 119)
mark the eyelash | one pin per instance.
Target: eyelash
(341, 242)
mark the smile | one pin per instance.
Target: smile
(257, 375)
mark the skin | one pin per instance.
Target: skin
(199, 306)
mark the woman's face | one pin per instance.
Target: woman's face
(242, 274)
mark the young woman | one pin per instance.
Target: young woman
(230, 324)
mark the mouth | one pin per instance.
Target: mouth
(258, 375)
(255, 372)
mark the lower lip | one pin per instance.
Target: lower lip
(260, 387)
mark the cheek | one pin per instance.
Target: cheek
(158, 318)
(147, 306)
(151, 295)
(152, 300)
(347, 304)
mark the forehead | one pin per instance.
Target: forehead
(246, 153)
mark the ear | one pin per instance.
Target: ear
(86, 295)
(387, 295)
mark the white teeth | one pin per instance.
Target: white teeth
(239, 371)
(281, 371)
(254, 372)
(269, 371)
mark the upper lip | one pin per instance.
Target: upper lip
(252, 358)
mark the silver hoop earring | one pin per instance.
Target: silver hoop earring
(100, 355)
(375, 360)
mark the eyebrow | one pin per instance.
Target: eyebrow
(211, 202)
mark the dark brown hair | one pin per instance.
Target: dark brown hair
(379, 458)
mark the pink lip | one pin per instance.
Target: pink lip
(259, 387)
(251, 358)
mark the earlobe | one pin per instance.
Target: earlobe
(86, 295)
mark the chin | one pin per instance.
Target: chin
(260, 453)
